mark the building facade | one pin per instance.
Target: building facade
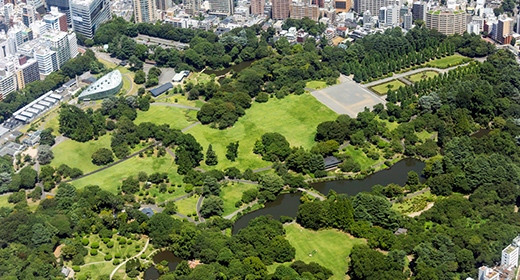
(504, 29)
(58, 41)
(222, 6)
(88, 15)
(407, 21)
(281, 9)
(47, 60)
(343, 5)
(419, 10)
(63, 7)
(446, 21)
(257, 7)
(55, 20)
(509, 256)
(27, 72)
(145, 11)
(300, 10)
(361, 6)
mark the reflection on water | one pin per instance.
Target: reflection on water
(152, 273)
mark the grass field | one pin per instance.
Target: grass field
(382, 89)
(332, 247)
(77, 154)
(4, 203)
(421, 76)
(390, 125)
(53, 123)
(201, 78)
(231, 194)
(316, 85)
(423, 135)
(187, 205)
(449, 61)
(126, 85)
(174, 116)
(182, 100)
(110, 178)
(360, 157)
(414, 204)
(108, 64)
(295, 117)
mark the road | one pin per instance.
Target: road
(123, 263)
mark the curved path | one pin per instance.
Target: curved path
(199, 204)
(138, 254)
(130, 81)
(174, 105)
(315, 195)
(230, 216)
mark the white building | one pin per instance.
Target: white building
(510, 256)
(47, 60)
(73, 44)
(58, 41)
(486, 273)
(407, 21)
(473, 27)
(7, 83)
(88, 15)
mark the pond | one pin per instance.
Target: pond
(152, 273)
(237, 68)
(287, 204)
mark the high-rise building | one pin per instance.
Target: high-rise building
(473, 27)
(63, 7)
(280, 9)
(58, 41)
(361, 6)
(257, 7)
(27, 71)
(222, 6)
(47, 60)
(392, 16)
(192, 6)
(145, 11)
(55, 20)
(319, 3)
(446, 21)
(343, 5)
(7, 83)
(509, 256)
(88, 15)
(367, 18)
(419, 10)
(407, 21)
(8, 10)
(504, 30)
(73, 44)
(300, 10)
(161, 5)
(28, 15)
(518, 24)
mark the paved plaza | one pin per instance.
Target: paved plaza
(348, 98)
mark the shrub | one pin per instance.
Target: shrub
(82, 277)
(122, 241)
(94, 245)
(108, 257)
(110, 244)
(76, 268)
(143, 256)
(84, 241)
(116, 262)
(129, 242)
(117, 256)
(286, 219)
(93, 252)
(106, 240)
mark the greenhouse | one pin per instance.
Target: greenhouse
(107, 86)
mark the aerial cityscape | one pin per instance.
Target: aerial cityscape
(260, 139)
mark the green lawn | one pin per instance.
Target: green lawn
(160, 197)
(423, 135)
(449, 61)
(414, 204)
(126, 85)
(108, 64)
(157, 114)
(360, 157)
(182, 100)
(78, 154)
(96, 270)
(332, 247)
(231, 194)
(54, 124)
(422, 75)
(316, 85)
(187, 205)
(199, 78)
(390, 125)
(110, 178)
(295, 117)
(382, 89)
(4, 203)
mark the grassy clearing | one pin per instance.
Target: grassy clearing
(110, 178)
(360, 157)
(423, 135)
(421, 76)
(316, 85)
(77, 154)
(182, 100)
(161, 197)
(383, 88)
(174, 116)
(449, 61)
(54, 124)
(295, 117)
(390, 125)
(126, 85)
(4, 203)
(331, 247)
(414, 204)
(187, 205)
(233, 193)
(199, 78)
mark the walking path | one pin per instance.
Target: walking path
(175, 105)
(199, 204)
(413, 194)
(320, 197)
(197, 123)
(123, 263)
(418, 213)
(262, 169)
(230, 216)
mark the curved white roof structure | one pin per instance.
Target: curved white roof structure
(107, 86)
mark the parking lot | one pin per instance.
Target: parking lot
(348, 98)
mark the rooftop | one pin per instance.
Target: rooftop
(107, 82)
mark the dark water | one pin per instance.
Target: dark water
(481, 133)
(237, 68)
(152, 273)
(287, 204)
(396, 174)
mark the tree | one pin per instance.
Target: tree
(211, 156)
(140, 77)
(211, 186)
(232, 151)
(135, 62)
(46, 137)
(212, 206)
(413, 180)
(102, 156)
(41, 234)
(45, 154)
(272, 183)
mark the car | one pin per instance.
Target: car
(123, 63)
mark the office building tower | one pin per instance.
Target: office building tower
(419, 10)
(367, 18)
(392, 16)
(281, 9)
(55, 20)
(407, 21)
(145, 11)
(403, 11)
(300, 10)
(47, 60)
(73, 44)
(509, 256)
(473, 27)
(446, 21)
(27, 71)
(161, 5)
(257, 7)
(63, 7)
(7, 83)
(88, 15)
(222, 6)
(343, 5)
(28, 15)
(319, 3)
(192, 6)
(58, 41)
(8, 11)
(361, 6)
(504, 29)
